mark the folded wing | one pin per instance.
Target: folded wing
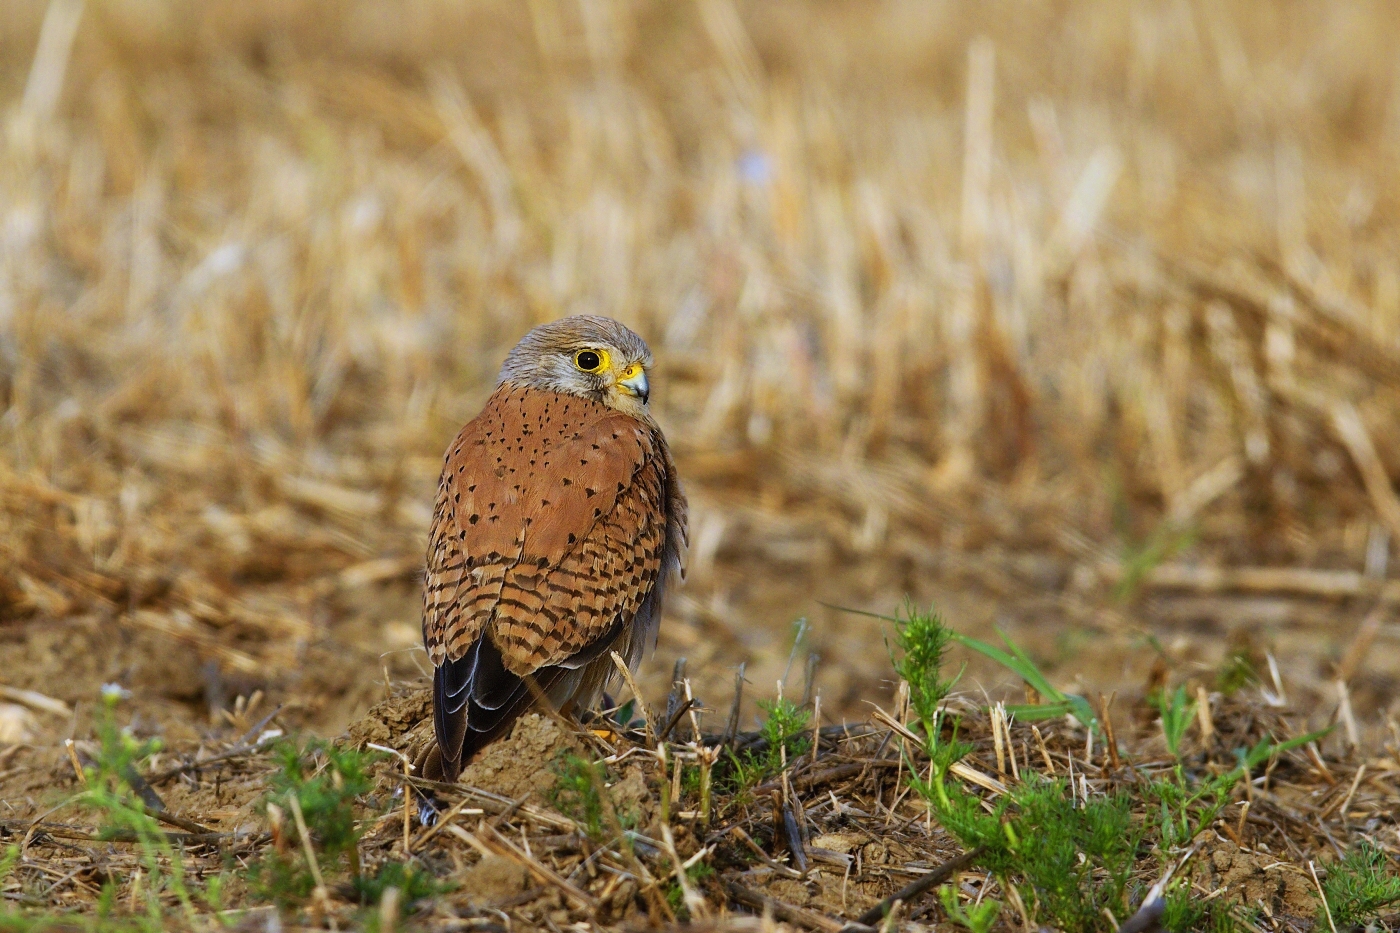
(548, 535)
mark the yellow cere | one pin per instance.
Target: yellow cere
(632, 372)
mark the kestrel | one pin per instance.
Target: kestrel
(558, 521)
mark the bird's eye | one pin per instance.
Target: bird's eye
(591, 361)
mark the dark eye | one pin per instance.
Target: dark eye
(588, 360)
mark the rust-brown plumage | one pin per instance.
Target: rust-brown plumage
(558, 518)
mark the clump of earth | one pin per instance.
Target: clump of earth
(519, 764)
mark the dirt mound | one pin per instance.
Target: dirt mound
(514, 766)
(403, 722)
(494, 879)
(1257, 878)
(521, 763)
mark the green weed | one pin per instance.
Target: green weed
(1186, 912)
(1165, 542)
(578, 792)
(109, 791)
(675, 896)
(624, 716)
(784, 737)
(1359, 887)
(413, 885)
(923, 640)
(975, 918)
(11, 920)
(123, 814)
(324, 780)
(1069, 861)
(675, 899)
(1183, 807)
(326, 792)
(1072, 860)
(1235, 673)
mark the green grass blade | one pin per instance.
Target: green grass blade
(1021, 666)
(1267, 747)
(1018, 662)
(1026, 712)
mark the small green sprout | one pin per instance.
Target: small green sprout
(1235, 673)
(1186, 912)
(578, 794)
(109, 790)
(325, 780)
(923, 641)
(784, 737)
(1177, 712)
(975, 918)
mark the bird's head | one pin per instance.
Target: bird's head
(588, 356)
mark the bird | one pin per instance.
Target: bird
(558, 523)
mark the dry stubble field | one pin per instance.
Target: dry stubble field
(1080, 320)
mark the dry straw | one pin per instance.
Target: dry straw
(922, 280)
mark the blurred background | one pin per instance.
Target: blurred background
(1078, 319)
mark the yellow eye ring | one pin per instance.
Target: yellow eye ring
(592, 361)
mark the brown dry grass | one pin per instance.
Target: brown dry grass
(934, 314)
(994, 305)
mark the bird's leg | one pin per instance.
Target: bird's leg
(577, 716)
(580, 716)
(430, 808)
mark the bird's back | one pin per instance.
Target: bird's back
(555, 520)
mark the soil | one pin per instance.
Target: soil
(516, 766)
(1257, 878)
(361, 678)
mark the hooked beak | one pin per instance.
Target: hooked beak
(638, 386)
